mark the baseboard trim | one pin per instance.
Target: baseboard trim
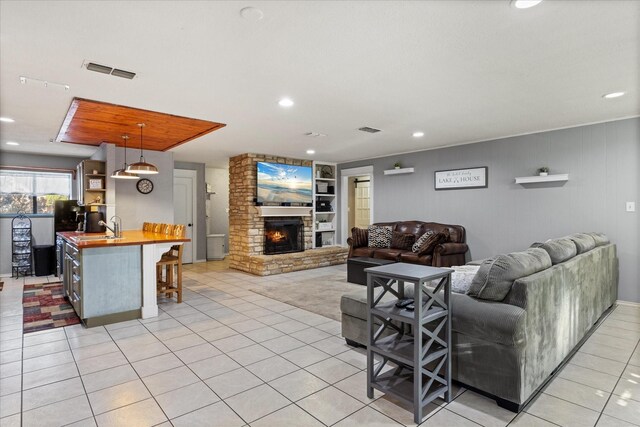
(199, 260)
(629, 303)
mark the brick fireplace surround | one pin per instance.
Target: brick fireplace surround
(246, 226)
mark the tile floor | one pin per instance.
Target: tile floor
(204, 362)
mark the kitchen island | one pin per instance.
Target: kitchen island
(109, 279)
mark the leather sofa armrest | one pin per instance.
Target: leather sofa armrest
(350, 243)
(451, 248)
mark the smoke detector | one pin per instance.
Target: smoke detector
(369, 129)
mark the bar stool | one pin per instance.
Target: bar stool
(169, 261)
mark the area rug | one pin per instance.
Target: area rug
(44, 307)
(319, 295)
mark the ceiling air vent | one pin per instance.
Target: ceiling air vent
(122, 73)
(368, 129)
(99, 68)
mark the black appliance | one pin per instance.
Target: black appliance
(65, 215)
(91, 222)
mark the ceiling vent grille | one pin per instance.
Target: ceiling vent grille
(104, 69)
(368, 129)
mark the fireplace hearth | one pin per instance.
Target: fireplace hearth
(283, 236)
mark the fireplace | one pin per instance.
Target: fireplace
(282, 236)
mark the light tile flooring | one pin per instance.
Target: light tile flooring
(205, 362)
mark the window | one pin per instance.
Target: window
(32, 192)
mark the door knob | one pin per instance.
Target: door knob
(189, 225)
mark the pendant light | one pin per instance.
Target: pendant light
(142, 167)
(122, 173)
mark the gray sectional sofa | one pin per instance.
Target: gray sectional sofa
(523, 315)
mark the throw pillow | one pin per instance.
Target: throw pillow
(559, 250)
(380, 236)
(432, 241)
(584, 242)
(496, 276)
(402, 241)
(416, 246)
(359, 237)
(462, 277)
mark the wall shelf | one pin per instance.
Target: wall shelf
(538, 179)
(398, 171)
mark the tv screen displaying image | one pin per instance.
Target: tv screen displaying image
(280, 184)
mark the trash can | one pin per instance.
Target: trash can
(42, 256)
(215, 246)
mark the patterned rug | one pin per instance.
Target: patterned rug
(44, 307)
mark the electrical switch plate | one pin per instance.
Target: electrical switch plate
(631, 206)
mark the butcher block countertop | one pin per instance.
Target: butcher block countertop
(129, 237)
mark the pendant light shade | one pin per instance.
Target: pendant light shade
(122, 173)
(142, 167)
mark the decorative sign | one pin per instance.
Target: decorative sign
(95, 184)
(456, 179)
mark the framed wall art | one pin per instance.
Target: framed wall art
(458, 179)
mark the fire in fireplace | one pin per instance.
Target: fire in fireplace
(282, 236)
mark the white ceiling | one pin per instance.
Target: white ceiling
(461, 71)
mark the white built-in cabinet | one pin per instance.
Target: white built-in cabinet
(324, 204)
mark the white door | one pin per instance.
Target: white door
(184, 183)
(362, 204)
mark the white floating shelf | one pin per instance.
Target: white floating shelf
(398, 171)
(538, 179)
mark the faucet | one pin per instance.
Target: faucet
(117, 226)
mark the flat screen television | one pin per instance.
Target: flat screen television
(284, 185)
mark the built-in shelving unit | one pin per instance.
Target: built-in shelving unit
(399, 171)
(90, 173)
(539, 179)
(324, 204)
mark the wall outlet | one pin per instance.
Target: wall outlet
(631, 206)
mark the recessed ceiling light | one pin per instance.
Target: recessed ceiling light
(12, 143)
(311, 151)
(418, 134)
(285, 102)
(613, 95)
(525, 4)
(6, 120)
(251, 13)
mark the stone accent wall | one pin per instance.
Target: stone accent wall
(246, 226)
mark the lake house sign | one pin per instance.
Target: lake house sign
(457, 179)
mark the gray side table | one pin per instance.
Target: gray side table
(421, 362)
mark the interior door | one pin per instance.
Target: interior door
(183, 209)
(362, 204)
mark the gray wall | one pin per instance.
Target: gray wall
(42, 226)
(218, 203)
(603, 163)
(200, 252)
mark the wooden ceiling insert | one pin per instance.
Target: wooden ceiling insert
(93, 122)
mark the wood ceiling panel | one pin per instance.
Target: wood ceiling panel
(93, 122)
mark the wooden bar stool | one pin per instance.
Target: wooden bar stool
(169, 261)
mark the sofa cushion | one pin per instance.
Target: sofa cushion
(388, 253)
(432, 241)
(364, 251)
(379, 236)
(414, 258)
(416, 246)
(495, 277)
(559, 250)
(600, 238)
(359, 237)
(402, 241)
(462, 277)
(583, 241)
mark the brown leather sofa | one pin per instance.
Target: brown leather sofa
(444, 255)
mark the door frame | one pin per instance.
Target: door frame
(189, 173)
(345, 174)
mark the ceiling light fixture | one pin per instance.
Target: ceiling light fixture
(6, 120)
(45, 83)
(311, 151)
(418, 134)
(12, 143)
(285, 102)
(122, 173)
(142, 167)
(613, 95)
(525, 4)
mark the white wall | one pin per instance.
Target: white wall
(218, 204)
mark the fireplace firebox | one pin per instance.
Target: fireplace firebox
(283, 236)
